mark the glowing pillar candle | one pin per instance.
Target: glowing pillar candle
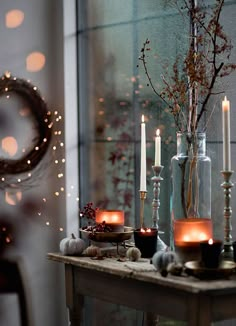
(188, 233)
(113, 218)
(192, 230)
(158, 148)
(143, 186)
(226, 134)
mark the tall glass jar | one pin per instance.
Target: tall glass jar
(191, 178)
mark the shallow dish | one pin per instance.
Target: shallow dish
(195, 268)
(109, 236)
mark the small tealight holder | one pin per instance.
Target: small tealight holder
(234, 250)
(211, 253)
(145, 240)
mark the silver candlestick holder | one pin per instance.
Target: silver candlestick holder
(227, 185)
(156, 203)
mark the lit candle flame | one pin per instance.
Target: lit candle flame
(144, 231)
(210, 241)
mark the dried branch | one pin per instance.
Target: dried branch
(187, 93)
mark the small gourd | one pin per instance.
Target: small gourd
(72, 246)
(133, 254)
(92, 251)
(162, 259)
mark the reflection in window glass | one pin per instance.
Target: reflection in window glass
(113, 94)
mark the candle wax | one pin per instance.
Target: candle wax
(143, 186)
(158, 148)
(226, 134)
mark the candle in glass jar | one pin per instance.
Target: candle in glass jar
(145, 240)
(113, 218)
(143, 186)
(158, 148)
(192, 230)
(210, 253)
(226, 134)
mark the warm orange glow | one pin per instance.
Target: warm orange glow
(110, 216)
(144, 231)
(192, 230)
(14, 18)
(9, 145)
(35, 61)
(13, 196)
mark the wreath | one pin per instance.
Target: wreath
(43, 125)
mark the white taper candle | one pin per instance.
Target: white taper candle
(143, 186)
(226, 134)
(158, 148)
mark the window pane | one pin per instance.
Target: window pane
(113, 94)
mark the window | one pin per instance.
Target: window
(113, 94)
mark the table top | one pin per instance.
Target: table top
(145, 272)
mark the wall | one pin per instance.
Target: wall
(37, 223)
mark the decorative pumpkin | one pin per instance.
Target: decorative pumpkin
(161, 259)
(175, 268)
(133, 254)
(72, 246)
(92, 251)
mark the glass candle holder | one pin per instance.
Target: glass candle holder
(234, 250)
(146, 241)
(211, 253)
(113, 218)
(188, 232)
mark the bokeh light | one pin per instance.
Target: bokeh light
(35, 61)
(14, 18)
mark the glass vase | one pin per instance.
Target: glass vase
(191, 179)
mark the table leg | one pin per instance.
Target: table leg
(76, 312)
(151, 319)
(74, 301)
(199, 311)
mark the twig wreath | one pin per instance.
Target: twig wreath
(43, 126)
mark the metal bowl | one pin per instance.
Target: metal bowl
(109, 236)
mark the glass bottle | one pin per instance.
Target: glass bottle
(191, 178)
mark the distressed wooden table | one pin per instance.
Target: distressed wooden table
(180, 298)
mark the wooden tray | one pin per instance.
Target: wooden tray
(195, 268)
(109, 236)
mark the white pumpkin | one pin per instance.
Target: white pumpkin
(161, 259)
(72, 246)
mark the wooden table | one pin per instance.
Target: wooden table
(180, 298)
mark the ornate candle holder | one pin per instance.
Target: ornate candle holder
(143, 195)
(227, 185)
(156, 203)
